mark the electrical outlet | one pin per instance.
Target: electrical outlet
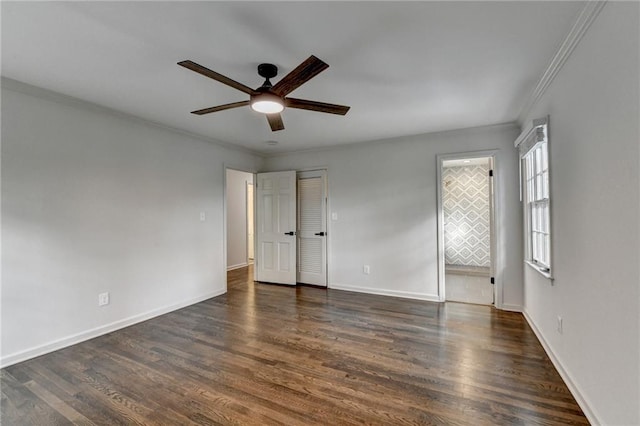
(559, 324)
(366, 270)
(103, 299)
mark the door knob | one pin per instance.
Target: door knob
(322, 234)
(290, 233)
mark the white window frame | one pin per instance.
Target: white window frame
(533, 145)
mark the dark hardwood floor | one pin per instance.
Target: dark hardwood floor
(265, 354)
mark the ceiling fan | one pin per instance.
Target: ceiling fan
(272, 99)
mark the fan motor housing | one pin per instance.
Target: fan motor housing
(267, 70)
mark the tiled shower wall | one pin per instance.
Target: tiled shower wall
(466, 215)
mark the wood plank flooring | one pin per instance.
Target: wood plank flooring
(264, 354)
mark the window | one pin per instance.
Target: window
(534, 156)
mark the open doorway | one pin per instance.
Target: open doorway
(239, 216)
(467, 222)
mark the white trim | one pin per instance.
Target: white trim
(542, 134)
(312, 169)
(586, 17)
(237, 266)
(566, 377)
(387, 292)
(253, 225)
(545, 273)
(523, 135)
(440, 230)
(64, 342)
(329, 224)
(496, 259)
(511, 308)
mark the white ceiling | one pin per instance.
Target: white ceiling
(404, 67)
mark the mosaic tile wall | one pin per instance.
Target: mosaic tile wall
(466, 215)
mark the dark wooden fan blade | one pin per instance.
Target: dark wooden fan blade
(316, 106)
(214, 75)
(300, 75)
(220, 108)
(275, 121)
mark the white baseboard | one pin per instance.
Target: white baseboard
(237, 266)
(511, 308)
(99, 331)
(385, 292)
(566, 377)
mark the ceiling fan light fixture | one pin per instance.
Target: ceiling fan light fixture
(267, 103)
(270, 99)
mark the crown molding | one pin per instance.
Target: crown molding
(39, 92)
(586, 17)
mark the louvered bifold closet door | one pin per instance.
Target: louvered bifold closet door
(312, 239)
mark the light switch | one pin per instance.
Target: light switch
(334, 216)
(203, 216)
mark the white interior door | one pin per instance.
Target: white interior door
(276, 222)
(312, 228)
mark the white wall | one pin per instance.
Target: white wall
(237, 217)
(385, 196)
(593, 105)
(93, 201)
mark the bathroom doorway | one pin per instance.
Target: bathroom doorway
(467, 201)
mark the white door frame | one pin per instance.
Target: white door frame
(496, 258)
(250, 220)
